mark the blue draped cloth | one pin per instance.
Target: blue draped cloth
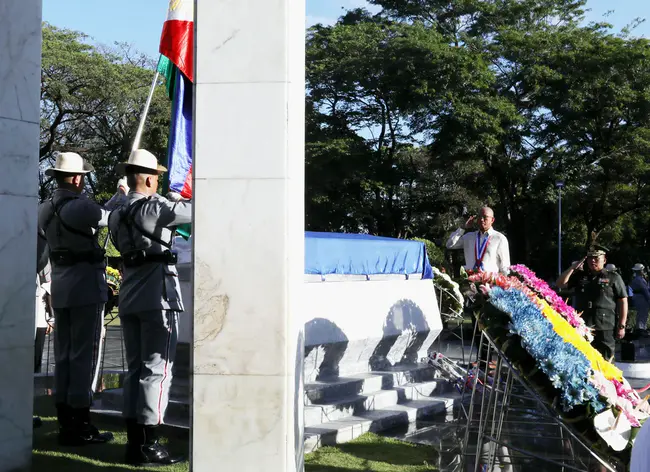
(362, 254)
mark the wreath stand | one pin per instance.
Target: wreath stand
(510, 428)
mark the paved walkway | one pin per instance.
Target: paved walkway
(113, 353)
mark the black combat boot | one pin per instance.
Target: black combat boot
(67, 434)
(88, 432)
(144, 447)
(134, 441)
(75, 428)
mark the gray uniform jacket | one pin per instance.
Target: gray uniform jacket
(83, 283)
(152, 285)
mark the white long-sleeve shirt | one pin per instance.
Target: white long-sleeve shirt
(497, 253)
(42, 286)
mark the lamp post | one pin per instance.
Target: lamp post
(559, 184)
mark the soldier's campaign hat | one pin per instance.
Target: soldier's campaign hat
(610, 267)
(143, 160)
(597, 250)
(638, 267)
(69, 163)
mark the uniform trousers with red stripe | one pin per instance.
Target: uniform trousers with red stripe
(76, 340)
(150, 343)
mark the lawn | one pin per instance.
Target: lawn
(369, 453)
(372, 453)
(116, 319)
(49, 456)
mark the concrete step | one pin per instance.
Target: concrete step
(320, 392)
(357, 404)
(178, 411)
(180, 388)
(347, 429)
(326, 391)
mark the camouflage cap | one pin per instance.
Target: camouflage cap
(597, 250)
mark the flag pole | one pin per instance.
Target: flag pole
(145, 112)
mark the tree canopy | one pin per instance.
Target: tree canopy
(432, 108)
(418, 115)
(91, 102)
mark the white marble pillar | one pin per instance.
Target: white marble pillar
(248, 235)
(20, 72)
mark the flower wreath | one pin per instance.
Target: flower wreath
(548, 343)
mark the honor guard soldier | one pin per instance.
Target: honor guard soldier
(68, 225)
(150, 301)
(599, 294)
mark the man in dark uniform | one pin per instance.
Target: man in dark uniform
(68, 225)
(600, 295)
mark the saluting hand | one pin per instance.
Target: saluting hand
(578, 265)
(469, 224)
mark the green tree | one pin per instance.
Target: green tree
(91, 102)
(367, 78)
(454, 104)
(598, 129)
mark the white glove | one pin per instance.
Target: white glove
(122, 183)
(174, 197)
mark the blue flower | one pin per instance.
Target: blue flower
(567, 368)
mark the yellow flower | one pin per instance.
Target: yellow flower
(569, 334)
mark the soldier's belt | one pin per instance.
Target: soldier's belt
(138, 258)
(64, 257)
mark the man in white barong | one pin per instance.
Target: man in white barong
(485, 250)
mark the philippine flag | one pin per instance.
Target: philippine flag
(177, 39)
(177, 65)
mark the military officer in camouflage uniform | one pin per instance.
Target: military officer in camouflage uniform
(68, 225)
(150, 301)
(600, 294)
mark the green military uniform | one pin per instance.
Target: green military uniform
(596, 297)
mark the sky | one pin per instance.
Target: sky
(139, 22)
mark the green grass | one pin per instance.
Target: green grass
(48, 456)
(372, 453)
(116, 319)
(369, 453)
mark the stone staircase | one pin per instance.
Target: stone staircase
(343, 409)
(337, 410)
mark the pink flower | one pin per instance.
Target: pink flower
(539, 286)
(627, 393)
